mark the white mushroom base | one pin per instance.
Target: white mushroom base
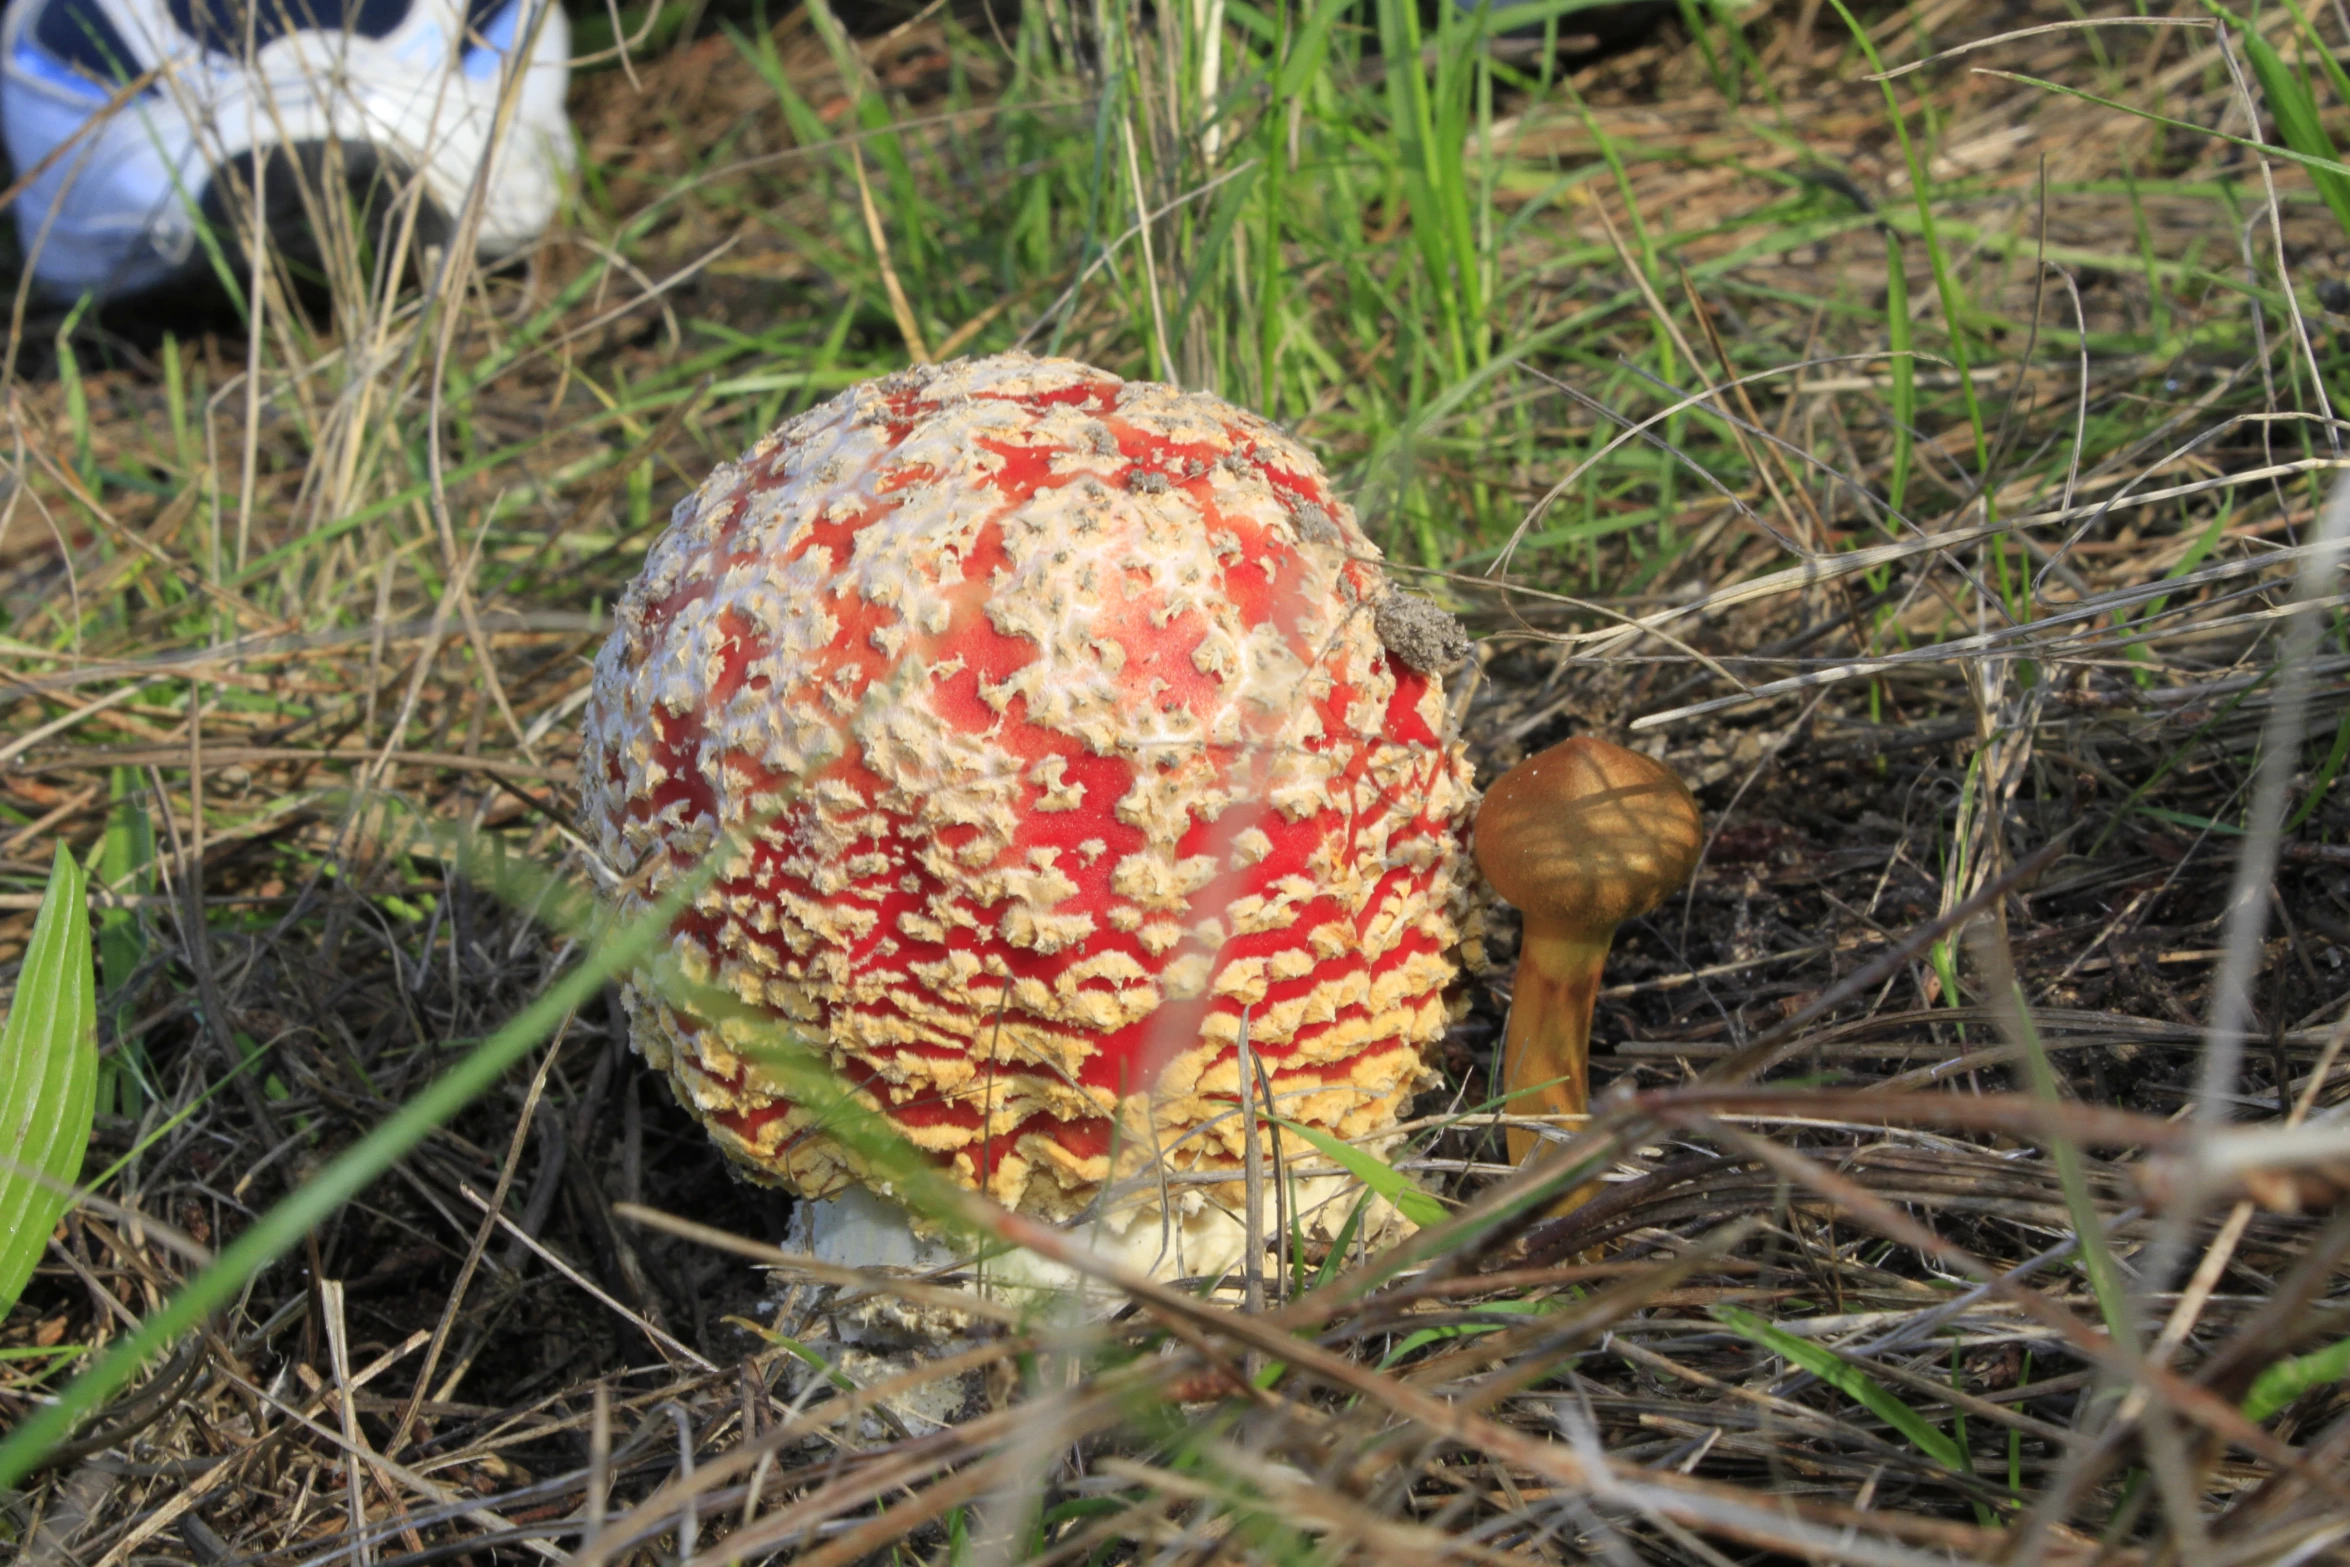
(1199, 1239)
(881, 1336)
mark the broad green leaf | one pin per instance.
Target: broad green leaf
(48, 1076)
(1846, 1378)
(1374, 1172)
(2287, 1380)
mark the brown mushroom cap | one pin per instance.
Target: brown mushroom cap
(1586, 835)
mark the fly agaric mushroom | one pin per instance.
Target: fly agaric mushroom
(1049, 727)
(1578, 839)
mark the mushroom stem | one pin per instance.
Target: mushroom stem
(1546, 1055)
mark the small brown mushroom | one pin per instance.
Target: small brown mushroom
(1578, 839)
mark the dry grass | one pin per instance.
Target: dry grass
(2009, 758)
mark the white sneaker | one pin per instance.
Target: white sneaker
(400, 88)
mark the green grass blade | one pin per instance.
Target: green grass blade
(1307, 53)
(1848, 1379)
(2287, 1380)
(48, 1075)
(1945, 283)
(1904, 365)
(2321, 782)
(2097, 1259)
(1374, 1172)
(2291, 105)
(1423, 1337)
(126, 863)
(2314, 162)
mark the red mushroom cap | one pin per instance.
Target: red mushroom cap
(1052, 712)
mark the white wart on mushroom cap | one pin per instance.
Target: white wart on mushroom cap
(1053, 720)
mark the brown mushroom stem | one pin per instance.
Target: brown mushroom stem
(1546, 1055)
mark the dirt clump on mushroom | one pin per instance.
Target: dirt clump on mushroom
(1421, 634)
